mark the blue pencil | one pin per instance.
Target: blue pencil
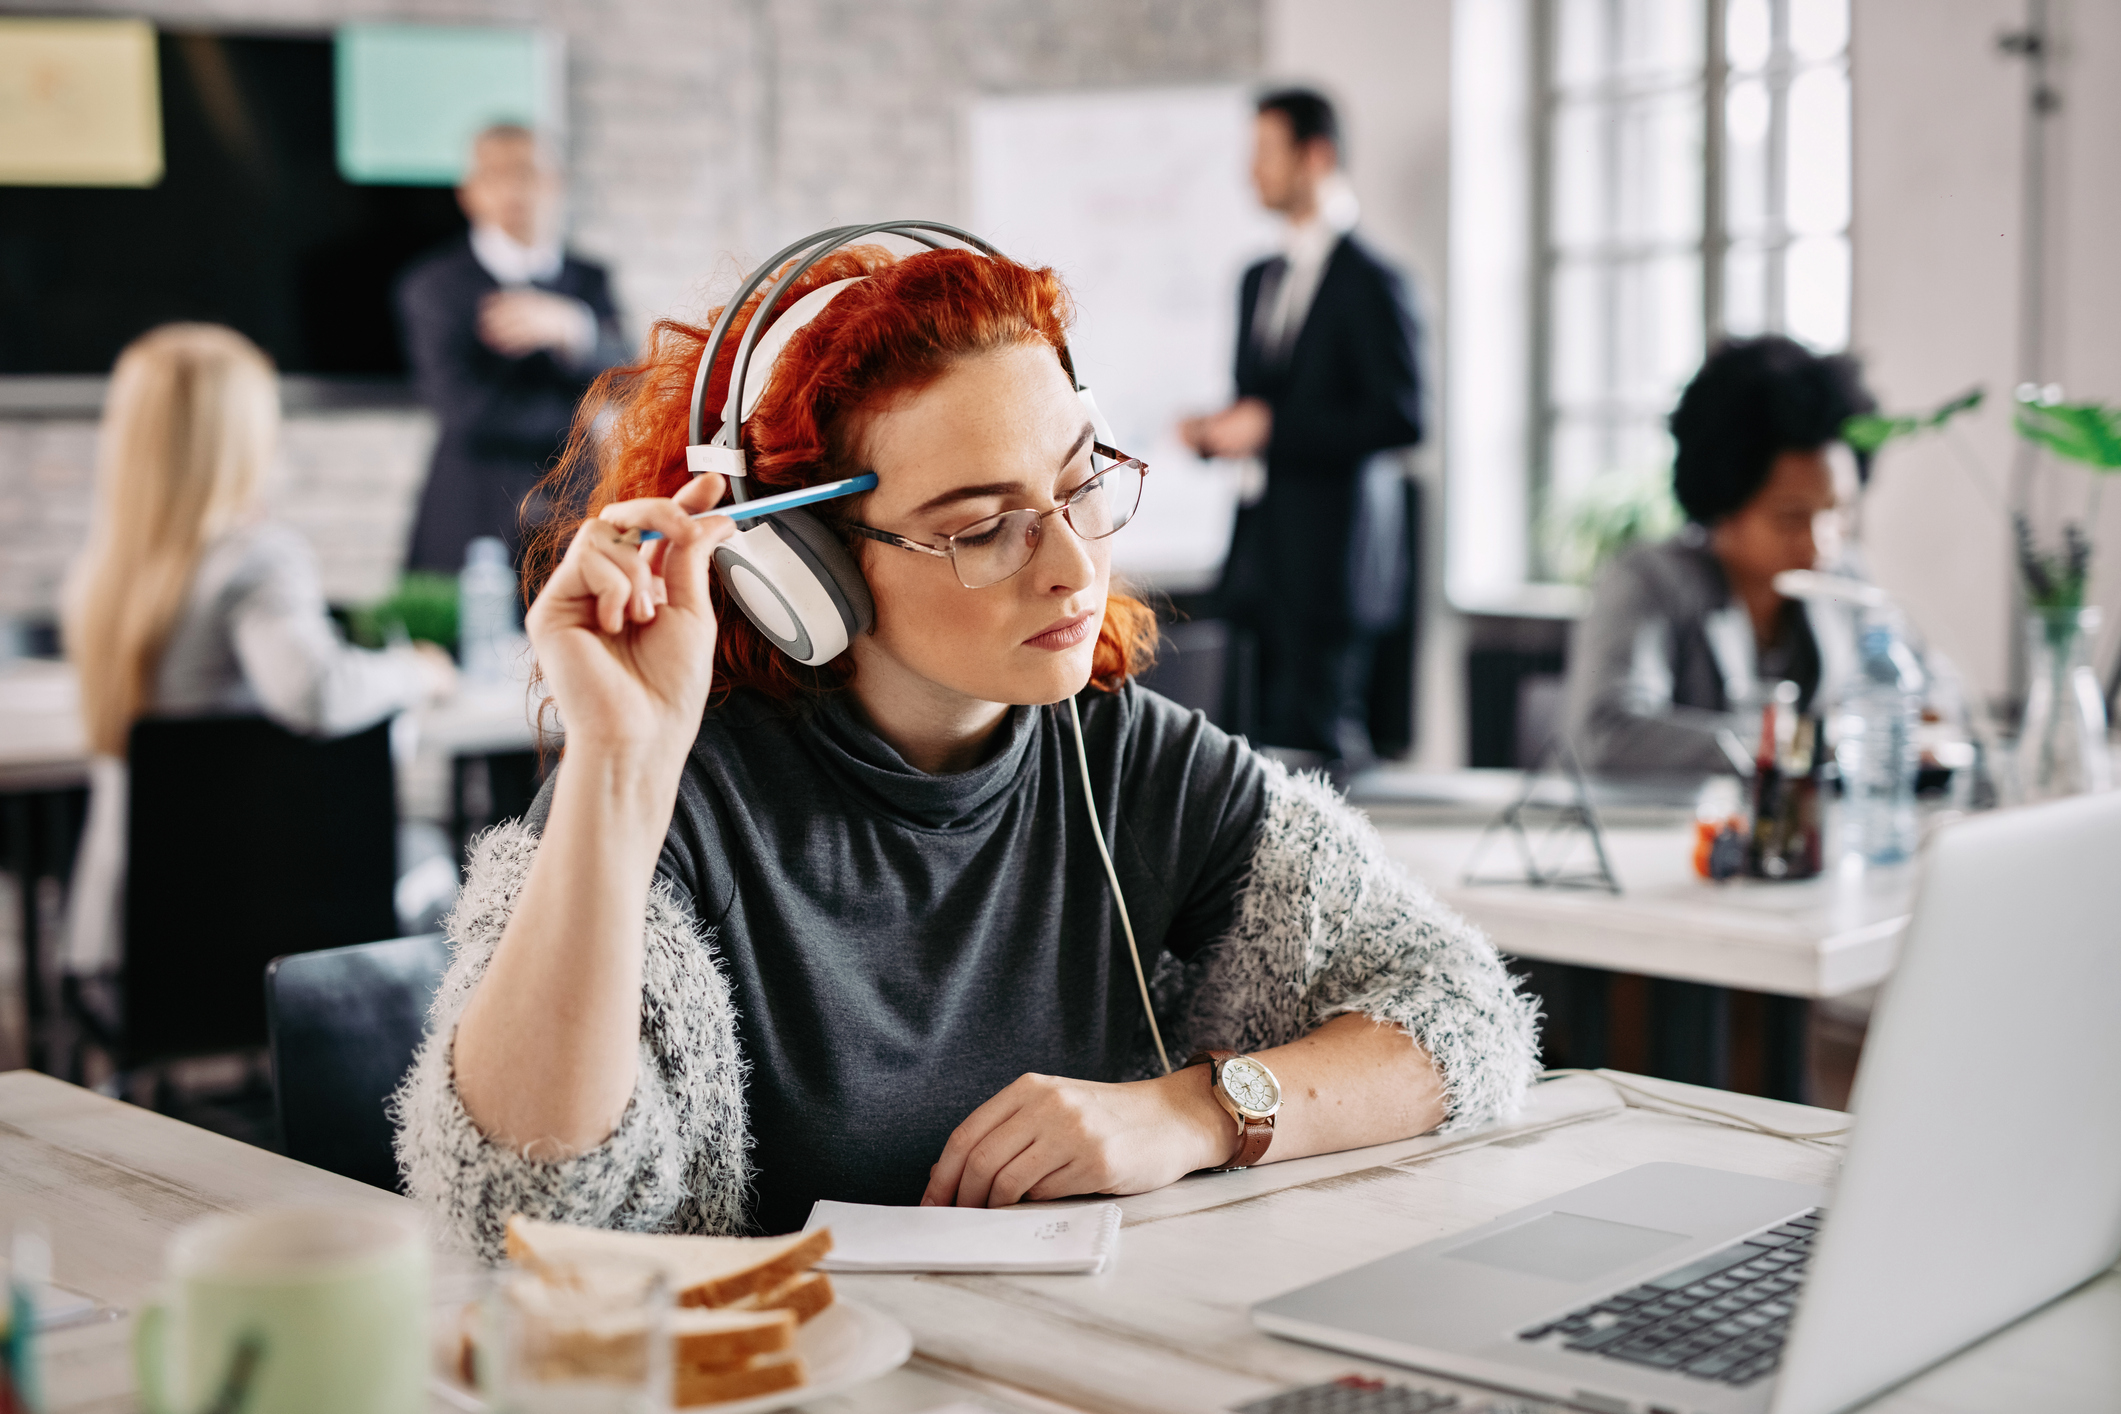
(767, 505)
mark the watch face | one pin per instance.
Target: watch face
(1251, 1085)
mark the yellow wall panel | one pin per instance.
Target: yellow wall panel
(80, 104)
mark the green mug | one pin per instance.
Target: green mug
(316, 1310)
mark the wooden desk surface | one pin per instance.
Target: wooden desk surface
(1817, 938)
(1164, 1329)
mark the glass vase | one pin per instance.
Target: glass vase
(2062, 742)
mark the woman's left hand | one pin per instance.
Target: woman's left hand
(1047, 1137)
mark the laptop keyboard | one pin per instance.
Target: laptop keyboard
(1723, 1317)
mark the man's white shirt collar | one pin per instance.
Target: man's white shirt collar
(510, 262)
(1306, 246)
(1310, 241)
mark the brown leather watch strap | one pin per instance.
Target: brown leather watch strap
(1252, 1143)
(1253, 1135)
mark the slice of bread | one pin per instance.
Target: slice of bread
(720, 1340)
(805, 1295)
(767, 1374)
(702, 1271)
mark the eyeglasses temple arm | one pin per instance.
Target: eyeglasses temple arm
(899, 540)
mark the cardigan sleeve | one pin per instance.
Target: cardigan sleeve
(677, 1160)
(1325, 924)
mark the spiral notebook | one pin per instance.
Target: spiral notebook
(872, 1238)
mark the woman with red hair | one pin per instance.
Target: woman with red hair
(774, 934)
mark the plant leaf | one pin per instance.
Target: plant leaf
(1946, 411)
(2086, 433)
(1866, 432)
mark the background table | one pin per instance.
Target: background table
(1164, 1328)
(43, 806)
(1823, 937)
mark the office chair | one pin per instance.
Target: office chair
(244, 841)
(345, 1023)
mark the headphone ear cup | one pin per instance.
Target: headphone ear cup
(798, 584)
(834, 564)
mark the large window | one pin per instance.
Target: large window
(1691, 180)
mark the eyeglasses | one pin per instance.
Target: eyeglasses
(990, 551)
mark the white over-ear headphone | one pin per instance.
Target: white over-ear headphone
(789, 572)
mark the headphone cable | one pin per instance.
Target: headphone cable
(1097, 832)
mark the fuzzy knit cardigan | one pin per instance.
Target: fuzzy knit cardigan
(1325, 924)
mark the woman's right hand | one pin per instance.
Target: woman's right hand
(547, 1049)
(626, 633)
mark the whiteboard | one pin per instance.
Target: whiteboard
(1142, 200)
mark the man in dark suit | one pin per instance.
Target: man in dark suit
(1328, 388)
(504, 331)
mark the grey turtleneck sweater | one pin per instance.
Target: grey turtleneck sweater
(845, 957)
(901, 946)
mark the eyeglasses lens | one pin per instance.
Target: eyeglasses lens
(993, 550)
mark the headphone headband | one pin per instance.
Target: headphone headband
(724, 453)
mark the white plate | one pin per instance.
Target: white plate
(844, 1345)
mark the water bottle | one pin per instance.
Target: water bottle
(486, 612)
(1877, 750)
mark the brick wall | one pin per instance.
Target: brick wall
(346, 480)
(702, 133)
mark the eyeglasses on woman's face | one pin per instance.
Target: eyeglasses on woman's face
(991, 550)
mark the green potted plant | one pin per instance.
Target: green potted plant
(2062, 746)
(423, 608)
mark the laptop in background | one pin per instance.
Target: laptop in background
(1983, 1180)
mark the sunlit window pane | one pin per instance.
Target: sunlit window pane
(1748, 35)
(1579, 43)
(1818, 178)
(1745, 158)
(1640, 444)
(1658, 173)
(1819, 29)
(1577, 348)
(1657, 333)
(1745, 292)
(1578, 453)
(1657, 39)
(1580, 188)
(1816, 280)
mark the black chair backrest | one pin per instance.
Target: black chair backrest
(245, 841)
(345, 1023)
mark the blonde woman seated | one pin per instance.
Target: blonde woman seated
(189, 602)
(773, 935)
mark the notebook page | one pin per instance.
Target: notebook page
(872, 1238)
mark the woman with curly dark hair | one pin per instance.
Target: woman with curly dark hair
(777, 933)
(1679, 635)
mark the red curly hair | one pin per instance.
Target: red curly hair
(897, 331)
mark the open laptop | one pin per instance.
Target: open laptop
(1983, 1179)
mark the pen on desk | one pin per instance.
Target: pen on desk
(767, 505)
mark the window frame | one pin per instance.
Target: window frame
(1547, 96)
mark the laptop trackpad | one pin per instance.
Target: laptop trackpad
(1567, 1246)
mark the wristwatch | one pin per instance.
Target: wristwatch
(1248, 1090)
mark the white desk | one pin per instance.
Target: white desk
(1797, 941)
(42, 742)
(1164, 1329)
(1816, 938)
